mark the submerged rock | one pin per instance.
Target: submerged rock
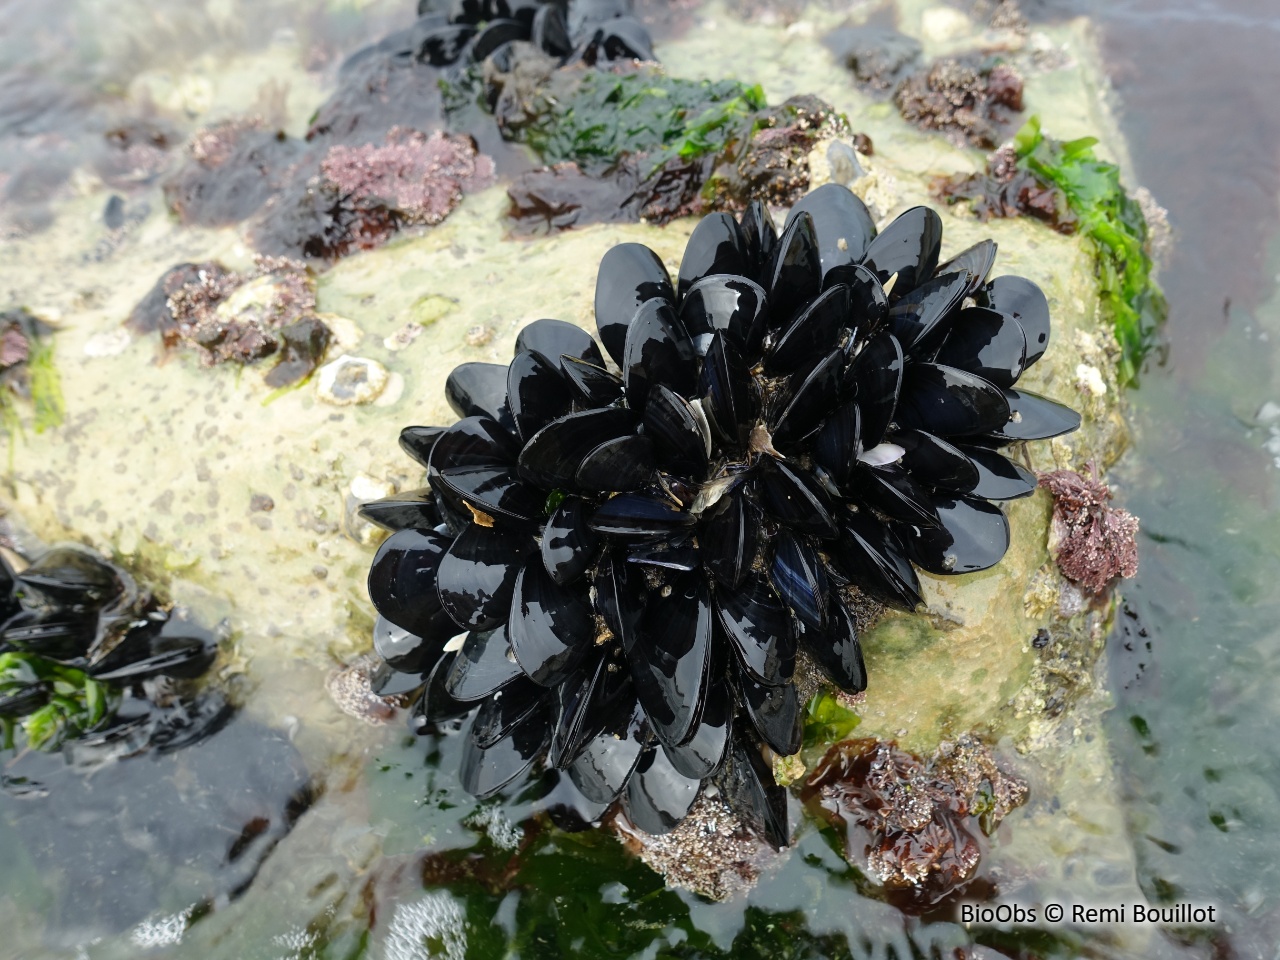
(1093, 543)
(351, 380)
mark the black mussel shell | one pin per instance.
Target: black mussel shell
(870, 554)
(73, 578)
(730, 395)
(435, 704)
(975, 262)
(629, 274)
(774, 712)
(495, 34)
(761, 237)
(536, 392)
(868, 303)
(558, 339)
(670, 660)
(1021, 299)
(444, 44)
(999, 478)
(987, 343)
(577, 710)
(816, 329)
(895, 493)
(734, 306)
(931, 460)
(676, 430)
(810, 394)
(504, 711)
(485, 771)
(703, 755)
(402, 580)
(750, 788)
(795, 276)
(658, 795)
(596, 386)
(759, 630)
(640, 516)
(476, 441)
(920, 320)
(837, 650)
(411, 510)
(875, 379)
(551, 458)
(493, 491)
(972, 535)
(679, 554)
(403, 650)
(605, 764)
(569, 546)
(842, 225)
(1033, 417)
(551, 628)
(716, 246)
(800, 578)
(838, 442)
(386, 681)
(950, 403)
(790, 494)
(484, 665)
(626, 463)
(908, 248)
(478, 573)
(657, 351)
(479, 390)
(551, 31)
(418, 442)
(730, 537)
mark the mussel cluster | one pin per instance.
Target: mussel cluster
(82, 650)
(638, 552)
(452, 32)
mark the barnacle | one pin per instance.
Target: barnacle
(638, 552)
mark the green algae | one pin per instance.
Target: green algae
(607, 116)
(46, 387)
(75, 704)
(1113, 224)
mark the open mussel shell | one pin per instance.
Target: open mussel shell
(891, 490)
(485, 771)
(761, 237)
(678, 554)
(758, 627)
(551, 628)
(750, 789)
(907, 248)
(558, 339)
(657, 351)
(478, 573)
(972, 535)
(716, 246)
(679, 443)
(551, 458)
(874, 378)
(1021, 299)
(730, 537)
(482, 666)
(582, 707)
(629, 274)
(1033, 417)
(410, 510)
(795, 276)
(975, 262)
(731, 305)
(774, 712)
(790, 494)
(56, 634)
(658, 796)
(479, 389)
(605, 764)
(842, 225)
(921, 319)
(950, 403)
(837, 650)
(536, 392)
(935, 462)
(640, 515)
(815, 329)
(569, 546)
(670, 658)
(800, 579)
(999, 478)
(402, 580)
(987, 343)
(870, 554)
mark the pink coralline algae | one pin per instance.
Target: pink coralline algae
(1093, 543)
(421, 177)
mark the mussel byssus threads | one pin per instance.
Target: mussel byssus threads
(638, 551)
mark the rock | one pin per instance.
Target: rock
(351, 380)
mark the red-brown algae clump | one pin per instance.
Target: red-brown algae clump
(906, 822)
(966, 99)
(1094, 544)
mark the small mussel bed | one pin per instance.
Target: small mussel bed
(649, 561)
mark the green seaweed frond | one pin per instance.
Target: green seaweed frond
(46, 386)
(828, 721)
(70, 702)
(1114, 225)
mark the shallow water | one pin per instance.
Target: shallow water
(1190, 671)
